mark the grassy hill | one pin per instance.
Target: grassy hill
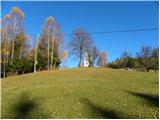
(81, 93)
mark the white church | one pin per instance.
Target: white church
(86, 59)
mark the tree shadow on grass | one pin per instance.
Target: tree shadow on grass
(156, 82)
(25, 108)
(150, 99)
(98, 111)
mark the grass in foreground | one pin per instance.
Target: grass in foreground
(81, 93)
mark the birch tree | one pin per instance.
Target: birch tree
(35, 57)
(16, 22)
(5, 43)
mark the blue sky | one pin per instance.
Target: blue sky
(95, 17)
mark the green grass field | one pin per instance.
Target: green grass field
(81, 93)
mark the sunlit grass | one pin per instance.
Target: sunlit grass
(83, 93)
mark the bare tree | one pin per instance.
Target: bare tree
(144, 57)
(102, 60)
(94, 54)
(80, 42)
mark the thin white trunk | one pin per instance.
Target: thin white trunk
(7, 57)
(7, 61)
(35, 57)
(14, 34)
(48, 53)
(20, 53)
(51, 65)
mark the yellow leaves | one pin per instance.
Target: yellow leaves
(64, 54)
(30, 56)
(5, 51)
(116, 62)
(50, 20)
(16, 10)
(21, 37)
(7, 16)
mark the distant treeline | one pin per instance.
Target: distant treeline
(146, 59)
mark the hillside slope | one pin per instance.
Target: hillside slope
(81, 93)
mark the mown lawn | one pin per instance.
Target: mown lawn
(81, 93)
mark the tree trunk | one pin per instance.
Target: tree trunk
(20, 53)
(80, 63)
(4, 68)
(14, 34)
(7, 57)
(35, 57)
(54, 65)
(51, 65)
(147, 70)
(15, 73)
(48, 54)
(12, 51)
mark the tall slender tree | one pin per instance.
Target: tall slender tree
(5, 43)
(35, 57)
(16, 23)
